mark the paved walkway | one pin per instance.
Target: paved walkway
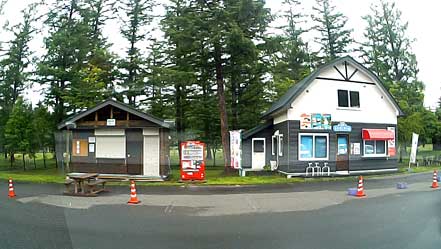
(218, 201)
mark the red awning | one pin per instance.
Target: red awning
(377, 134)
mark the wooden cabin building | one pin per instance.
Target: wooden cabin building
(115, 138)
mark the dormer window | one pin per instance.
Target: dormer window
(350, 99)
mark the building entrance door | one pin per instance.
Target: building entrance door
(342, 161)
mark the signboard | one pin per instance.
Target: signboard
(111, 122)
(305, 121)
(235, 149)
(391, 143)
(316, 121)
(342, 127)
(413, 150)
(91, 139)
(355, 148)
(91, 148)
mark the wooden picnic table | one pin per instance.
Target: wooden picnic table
(80, 180)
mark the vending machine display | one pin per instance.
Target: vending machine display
(192, 160)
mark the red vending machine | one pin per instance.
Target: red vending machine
(192, 161)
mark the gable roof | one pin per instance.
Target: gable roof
(248, 133)
(116, 104)
(293, 92)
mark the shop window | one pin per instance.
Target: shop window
(374, 147)
(110, 143)
(259, 146)
(348, 99)
(313, 146)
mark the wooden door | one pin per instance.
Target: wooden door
(342, 161)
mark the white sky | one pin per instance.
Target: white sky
(422, 15)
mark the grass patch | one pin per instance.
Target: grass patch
(37, 175)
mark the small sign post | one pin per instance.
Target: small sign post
(413, 150)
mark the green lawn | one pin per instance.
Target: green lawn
(215, 175)
(5, 164)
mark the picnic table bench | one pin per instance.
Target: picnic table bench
(85, 184)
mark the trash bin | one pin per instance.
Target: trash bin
(401, 185)
(352, 191)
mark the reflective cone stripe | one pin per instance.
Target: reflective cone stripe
(11, 189)
(133, 197)
(360, 188)
(435, 180)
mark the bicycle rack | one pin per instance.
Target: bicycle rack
(327, 169)
(309, 168)
(318, 169)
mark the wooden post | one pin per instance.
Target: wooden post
(96, 119)
(111, 112)
(128, 118)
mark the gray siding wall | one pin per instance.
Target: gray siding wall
(289, 161)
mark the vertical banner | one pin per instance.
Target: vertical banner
(413, 150)
(391, 143)
(235, 149)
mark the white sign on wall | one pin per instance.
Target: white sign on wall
(413, 150)
(91, 139)
(391, 143)
(111, 122)
(91, 148)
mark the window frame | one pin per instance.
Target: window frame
(313, 158)
(375, 154)
(280, 145)
(258, 139)
(349, 100)
(273, 143)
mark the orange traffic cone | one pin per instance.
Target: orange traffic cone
(435, 179)
(11, 189)
(360, 188)
(133, 197)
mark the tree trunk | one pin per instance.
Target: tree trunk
(234, 111)
(12, 160)
(214, 157)
(209, 155)
(35, 163)
(222, 105)
(44, 159)
(24, 162)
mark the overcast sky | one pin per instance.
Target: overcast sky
(423, 17)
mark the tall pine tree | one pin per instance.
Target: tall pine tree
(137, 15)
(16, 66)
(335, 38)
(387, 51)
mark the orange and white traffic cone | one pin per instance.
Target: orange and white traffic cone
(360, 188)
(11, 189)
(435, 179)
(133, 197)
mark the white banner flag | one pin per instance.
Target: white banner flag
(236, 149)
(413, 150)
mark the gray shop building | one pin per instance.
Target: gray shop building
(340, 116)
